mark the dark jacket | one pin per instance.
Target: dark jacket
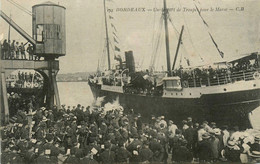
(205, 152)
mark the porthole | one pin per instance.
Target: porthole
(225, 89)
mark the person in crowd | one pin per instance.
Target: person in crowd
(205, 153)
(176, 142)
(122, 155)
(16, 49)
(100, 136)
(225, 134)
(214, 145)
(107, 156)
(171, 133)
(5, 49)
(22, 50)
(183, 154)
(30, 51)
(232, 151)
(201, 131)
(12, 49)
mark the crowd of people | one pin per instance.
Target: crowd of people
(21, 101)
(230, 73)
(17, 51)
(25, 79)
(99, 135)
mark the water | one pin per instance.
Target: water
(73, 93)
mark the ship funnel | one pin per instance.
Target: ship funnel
(130, 62)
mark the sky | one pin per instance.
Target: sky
(236, 31)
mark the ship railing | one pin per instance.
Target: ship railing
(220, 79)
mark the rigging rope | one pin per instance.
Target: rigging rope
(177, 33)
(214, 42)
(102, 47)
(20, 7)
(157, 43)
(189, 33)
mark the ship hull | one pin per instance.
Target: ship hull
(225, 108)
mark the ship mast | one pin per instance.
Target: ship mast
(107, 39)
(178, 46)
(165, 15)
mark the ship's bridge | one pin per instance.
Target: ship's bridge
(172, 83)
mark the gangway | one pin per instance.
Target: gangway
(17, 28)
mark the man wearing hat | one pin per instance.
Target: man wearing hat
(205, 152)
(51, 150)
(182, 154)
(214, 144)
(50, 119)
(71, 159)
(91, 145)
(38, 115)
(122, 155)
(232, 152)
(88, 159)
(133, 147)
(107, 156)
(256, 145)
(226, 135)
(189, 135)
(254, 151)
(189, 119)
(201, 131)
(14, 155)
(40, 131)
(146, 154)
(184, 125)
(42, 158)
(157, 149)
(38, 148)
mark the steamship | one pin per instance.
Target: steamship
(225, 98)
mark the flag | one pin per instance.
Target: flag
(188, 61)
(113, 27)
(117, 49)
(117, 57)
(115, 34)
(115, 40)
(110, 17)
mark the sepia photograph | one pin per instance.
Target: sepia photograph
(129, 81)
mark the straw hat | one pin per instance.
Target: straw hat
(257, 137)
(217, 131)
(205, 136)
(231, 144)
(44, 118)
(43, 108)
